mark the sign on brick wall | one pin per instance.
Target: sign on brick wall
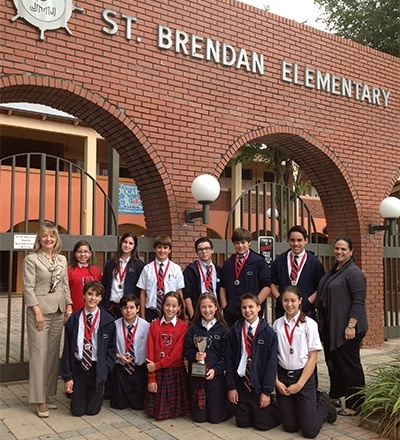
(129, 201)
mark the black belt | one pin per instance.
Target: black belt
(291, 373)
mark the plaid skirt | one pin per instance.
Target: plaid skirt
(172, 397)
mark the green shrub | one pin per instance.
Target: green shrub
(382, 399)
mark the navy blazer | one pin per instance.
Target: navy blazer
(192, 287)
(106, 347)
(310, 276)
(264, 357)
(133, 271)
(215, 352)
(255, 275)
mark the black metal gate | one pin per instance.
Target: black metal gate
(35, 187)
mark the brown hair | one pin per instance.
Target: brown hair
(74, 261)
(163, 240)
(250, 295)
(218, 314)
(118, 253)
(95, 285)
(296, 291)
(173, 294)
(240, 234)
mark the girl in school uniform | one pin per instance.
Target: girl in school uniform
(121, 273)
(301, 405)
(208, 396)
(81, 272)
(167, 389)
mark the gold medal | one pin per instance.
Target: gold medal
(87, 346)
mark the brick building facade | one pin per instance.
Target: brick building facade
(178, 87)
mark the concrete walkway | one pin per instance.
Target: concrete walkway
(19, 421)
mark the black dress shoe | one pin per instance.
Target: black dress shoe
(332, 414)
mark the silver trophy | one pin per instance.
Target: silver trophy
(200, 368)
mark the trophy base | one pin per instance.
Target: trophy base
(200, 370)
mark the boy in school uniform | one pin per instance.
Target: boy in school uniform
(129, 377)
(158, 278)
(251, 366)
(296, 267)
(89, 352)
(245, 271)
(201, 276)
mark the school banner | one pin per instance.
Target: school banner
(129, 201)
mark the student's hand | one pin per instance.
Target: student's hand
(68, 386)
(151, 366)
(295, 388)
(200, 356)
(264, 400)
(233, 396)
(210, 374)
(152, 387)
(281, 388)
(124, 359)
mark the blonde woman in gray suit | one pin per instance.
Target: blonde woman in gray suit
(49, 305)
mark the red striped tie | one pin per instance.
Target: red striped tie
(247, 374)
(87, 346)
(130, 368)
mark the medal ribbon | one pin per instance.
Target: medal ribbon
(89, 332)
(160, 281)
(121, 274)
(129, 342)
(299, 267)
(238, 271)
(206, 281)
(249, 348)
(290, 335)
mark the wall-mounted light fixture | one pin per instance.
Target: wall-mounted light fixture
(268, 213)
(205, 189)
(389, 210)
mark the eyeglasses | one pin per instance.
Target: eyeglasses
(205, 249)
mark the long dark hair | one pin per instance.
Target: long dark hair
(296, 291)
(118, 252)
(74, 261)
(218, 314)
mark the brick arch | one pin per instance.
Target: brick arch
(111, 123)
(334, 184)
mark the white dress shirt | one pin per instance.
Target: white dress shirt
(241, 370)
(81, 334)
(139, 341)
(305, 339)
(173, 281)
(116, 292)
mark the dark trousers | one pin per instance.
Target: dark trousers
(248, 412)
(345, 371)
(85, 399)
(215, 410)
(128, 390)
(151, 315)
(301, 410)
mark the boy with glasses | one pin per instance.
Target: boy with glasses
(200, 276)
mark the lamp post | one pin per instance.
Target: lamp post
(205, 189)
(389, 210)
